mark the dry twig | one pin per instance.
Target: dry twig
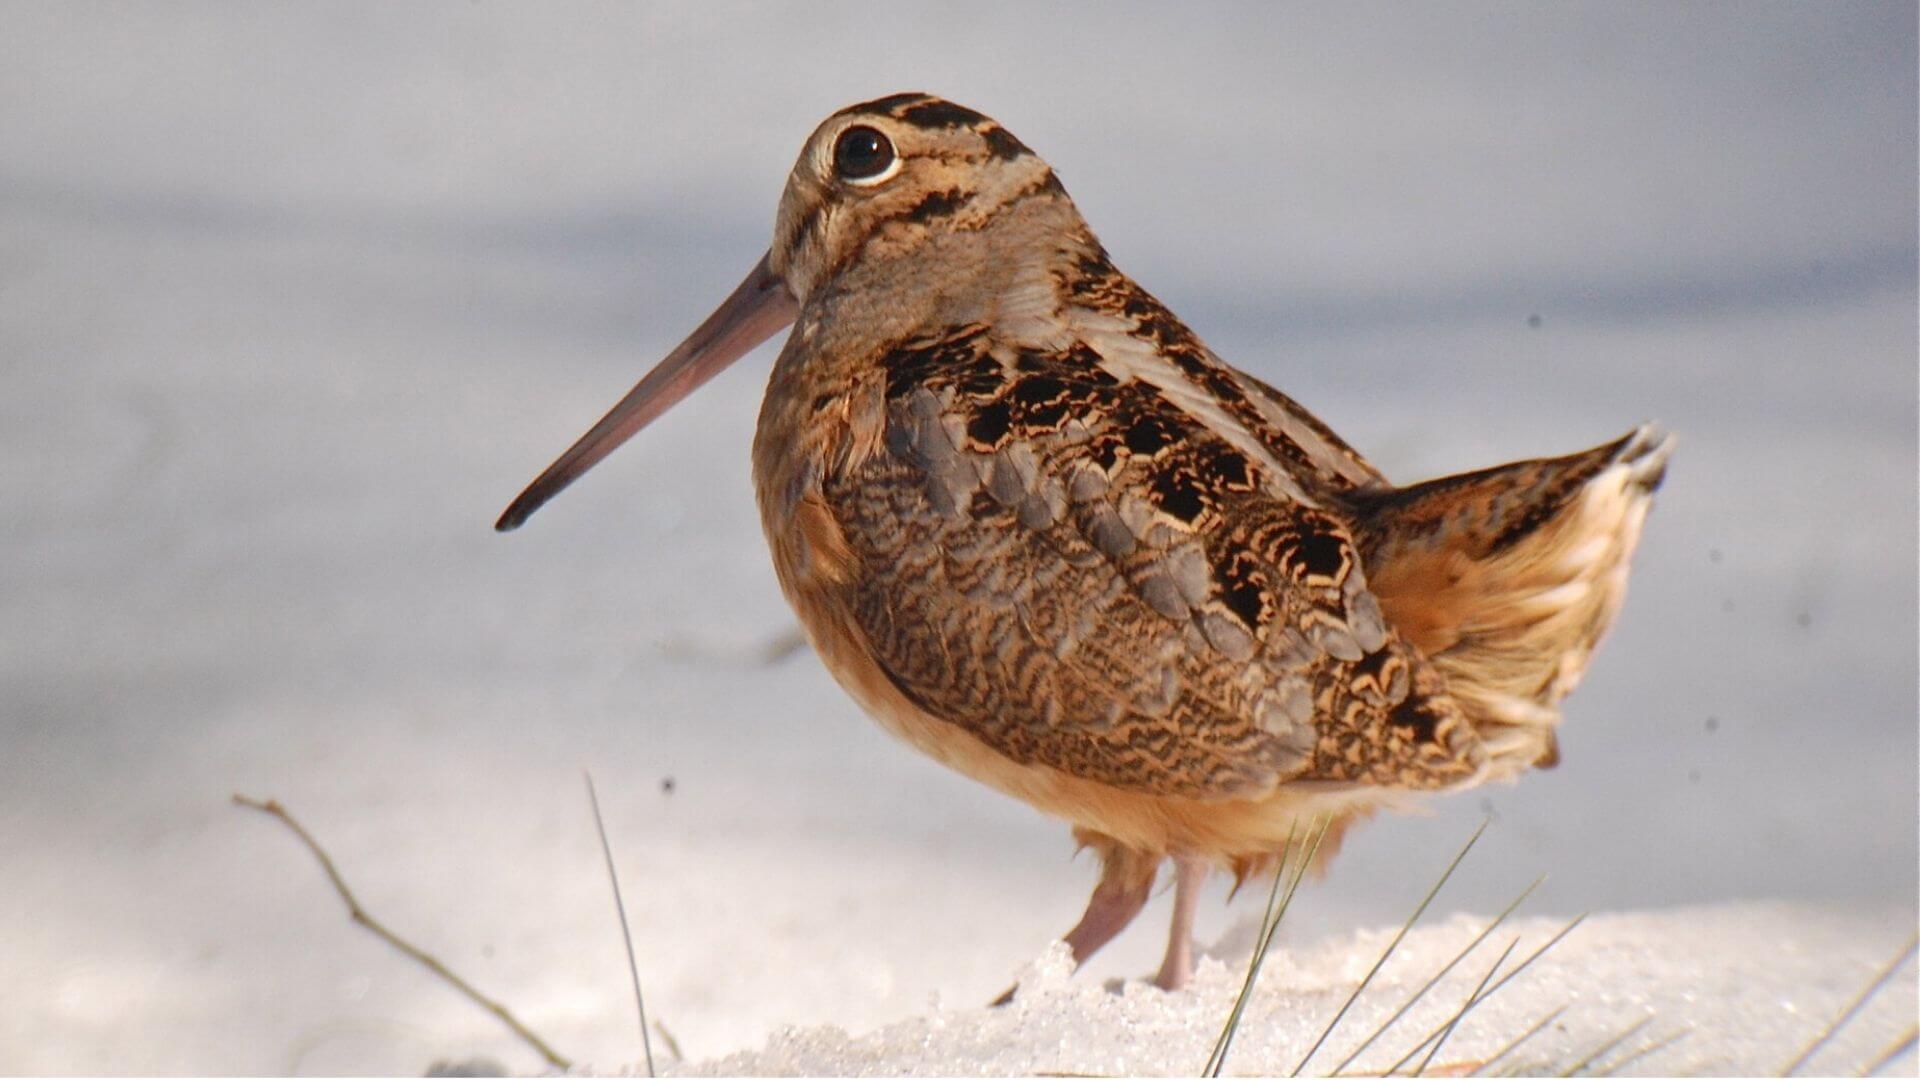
(272, 808)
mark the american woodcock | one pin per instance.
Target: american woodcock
(1040, 531)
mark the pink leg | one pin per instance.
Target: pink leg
(1126, 880)
(1189, 873)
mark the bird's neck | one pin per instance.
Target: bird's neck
(1003, 274)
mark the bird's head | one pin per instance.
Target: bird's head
(908, 203)
(881, 183)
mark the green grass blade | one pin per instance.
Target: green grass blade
(1648, 1050)
(1437, 976)
(1854, 1006)
(1607, 1047)
(1392, 945)
(1495, 988)
(1253, 960)
(1886, 1057)
(1486, 1067)
(1472, 1000)
(1268, 927)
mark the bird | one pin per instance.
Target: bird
(1036, 528)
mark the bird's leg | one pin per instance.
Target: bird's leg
(1122, 892)
(1126, 879)
(1188, 874)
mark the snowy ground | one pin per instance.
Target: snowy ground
(294, 299)
(1684, 991)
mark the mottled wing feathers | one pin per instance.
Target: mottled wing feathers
(1306, 449)
(1083, 575)
(1507, 578)
(1341, 465)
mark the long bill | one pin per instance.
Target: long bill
(760, 308)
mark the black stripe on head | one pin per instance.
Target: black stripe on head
(1046, 182)
(808, 227)
(936, 204)
(937, 113)
(885, 106)
(1002, 143)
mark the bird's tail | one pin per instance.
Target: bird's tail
(1507, 578)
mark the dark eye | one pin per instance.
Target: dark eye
(862, 153)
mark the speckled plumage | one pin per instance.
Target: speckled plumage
(1042, 532)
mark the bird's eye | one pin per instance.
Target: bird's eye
(861, 153)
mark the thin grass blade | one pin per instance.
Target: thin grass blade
(1268, 928)
(1495, 988)
(626, 934)
(1886, 1057)
(1392, 945)
(1472, 1000)
(1607, 1047)
(1486, 1067)
(1854, 1006)
(1253, 960)
(1438, 975)
(1648, 1050)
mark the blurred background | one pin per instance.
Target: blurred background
(294, 299)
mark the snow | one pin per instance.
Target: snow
(294, 299)
(1722, 990)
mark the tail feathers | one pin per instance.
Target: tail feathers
(1507, 578)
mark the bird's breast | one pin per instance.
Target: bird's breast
(821, 418)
